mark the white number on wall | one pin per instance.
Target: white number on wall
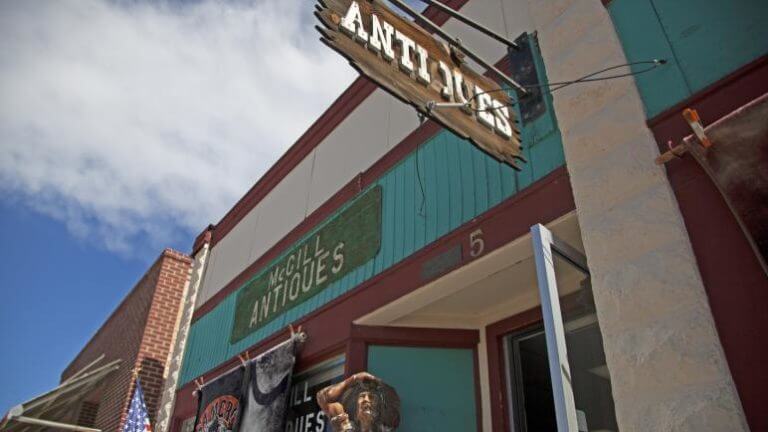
(476, 243)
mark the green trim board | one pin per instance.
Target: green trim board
(341, 245)
(442, 184)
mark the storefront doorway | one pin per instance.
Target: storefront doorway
(499, 295)
(531, 386)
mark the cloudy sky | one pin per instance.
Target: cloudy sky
(126, 127)
(136, 124)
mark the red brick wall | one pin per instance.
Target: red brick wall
(140, 332)
(87, 415)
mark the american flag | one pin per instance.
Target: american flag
(138, 417)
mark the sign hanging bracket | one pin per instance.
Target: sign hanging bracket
(455, 42)
(472, 23)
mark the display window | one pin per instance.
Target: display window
(529, 384)
(304, 413)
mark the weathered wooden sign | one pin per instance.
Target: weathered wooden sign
(408, 62)
(344, 243)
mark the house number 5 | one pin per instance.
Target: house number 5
(476, 243)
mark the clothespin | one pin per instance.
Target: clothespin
(136, 371)
(297, 333)
(244, 358)
(199, 382)
(676, 151)
(692, 117)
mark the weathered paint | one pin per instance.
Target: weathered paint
(340, 245)
(435, 386)
(702, 40)
(358, 129)
(444, 183)
(450, 172)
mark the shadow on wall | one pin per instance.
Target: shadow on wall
(152, 379)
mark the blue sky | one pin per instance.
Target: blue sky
(56, 291)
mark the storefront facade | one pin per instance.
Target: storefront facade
(407, 252)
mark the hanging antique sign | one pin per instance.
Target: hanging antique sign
(347, 241)
(408, 62)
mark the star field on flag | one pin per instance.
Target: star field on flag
(138, 417)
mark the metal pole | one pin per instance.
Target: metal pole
(53, 424)
(457, 43)
(84, 369)
(475, 25)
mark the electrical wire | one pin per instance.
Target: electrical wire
(421, 184)
(586, 78)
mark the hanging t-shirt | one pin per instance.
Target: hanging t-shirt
(220, 403)
(266, 397)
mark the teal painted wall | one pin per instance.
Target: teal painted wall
(436, 386)
(703, 40)
(441, 185)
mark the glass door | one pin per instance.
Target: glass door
(558, 375)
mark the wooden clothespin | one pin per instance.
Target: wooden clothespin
(244, 358)
(694, 121)
(297, 333)
(692, 117)
(199, 383)
(136, 371)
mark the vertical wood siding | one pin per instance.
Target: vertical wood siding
(438, 187)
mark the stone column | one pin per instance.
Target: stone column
(666, 362)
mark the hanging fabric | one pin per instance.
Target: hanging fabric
(266, 397)
(220, 403)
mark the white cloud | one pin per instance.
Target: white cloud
(136, 123)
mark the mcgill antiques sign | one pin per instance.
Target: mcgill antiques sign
(347, 241)
(408, 62)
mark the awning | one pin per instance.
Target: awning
(52, 409)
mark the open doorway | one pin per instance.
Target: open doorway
(498, 295)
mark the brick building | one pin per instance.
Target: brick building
(138, 335)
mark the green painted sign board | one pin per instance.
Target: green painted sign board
(345, 242)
